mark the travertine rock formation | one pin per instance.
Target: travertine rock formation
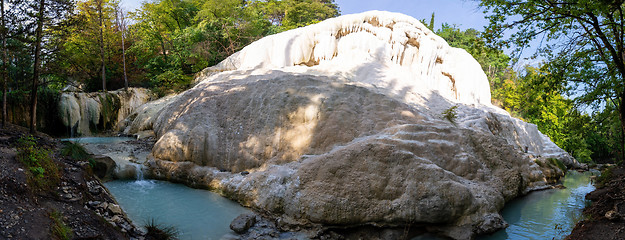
(342, 123)
(83, 112)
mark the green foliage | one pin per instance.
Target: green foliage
(165, 38)
(537, 99)
(160, 232)
(290, 14)
(44, 173)
(175, 39)
(535, 95)
(78, 43)
(557, 163)
(59, 229)
(605, 177)
(110, 107)
(77, 152)
(583, 46)
(493, 61)
(171, 81)
(450, 114)
(18, 108)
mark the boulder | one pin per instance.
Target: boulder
(243, 222)
(347, 123)
(114, 209)
(104, 167)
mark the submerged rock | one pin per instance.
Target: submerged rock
(363, 119)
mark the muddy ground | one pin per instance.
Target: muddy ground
(605, 217)
(78, 201)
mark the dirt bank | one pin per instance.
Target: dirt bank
(605, 217)
(76, 206)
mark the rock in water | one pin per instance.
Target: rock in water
(104, 167)
(362, 119)
(243, 222)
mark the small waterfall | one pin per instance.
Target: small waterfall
(138, 172)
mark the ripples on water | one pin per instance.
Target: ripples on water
(195, 213)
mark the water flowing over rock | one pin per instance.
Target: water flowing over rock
(343, 123)
(84, 113)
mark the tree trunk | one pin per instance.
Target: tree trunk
(4, 66)
(33, 93)
(163, 47)
(621, 116)
(102, 45)
(123, 28)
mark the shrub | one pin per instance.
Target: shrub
(450, 114)
(171, 81)
(159, 232)
(557, 163)
(59, 229)
(44, 173)
(605, 177)
(77, 152)
(108, 112)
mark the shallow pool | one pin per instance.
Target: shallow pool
(195, 213)
(98, 140)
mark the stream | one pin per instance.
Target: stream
(201, 214)
(547, 214)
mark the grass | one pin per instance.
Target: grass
(450, 114)
(552, 163)
(77, 152)
(558, 164)
(160, 232)
(43, 172)
(59, 229)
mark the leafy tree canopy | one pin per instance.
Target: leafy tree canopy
(581, 40)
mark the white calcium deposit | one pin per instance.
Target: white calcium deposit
(83, 112)
(342, 123)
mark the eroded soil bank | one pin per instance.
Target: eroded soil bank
(606, 215)
(78, 203)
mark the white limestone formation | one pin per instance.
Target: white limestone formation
(342, 123)
(83, 112)
(388, 50)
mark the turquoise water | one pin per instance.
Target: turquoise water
(547, 214)
(99, 140)
(195, 213)
(200, 214)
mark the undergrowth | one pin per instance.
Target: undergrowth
(43, 172)
(160, 232)
(450, 114)
(59, 229)
(605, 177)
(558, 163)
(77, 152)
(552, 163)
